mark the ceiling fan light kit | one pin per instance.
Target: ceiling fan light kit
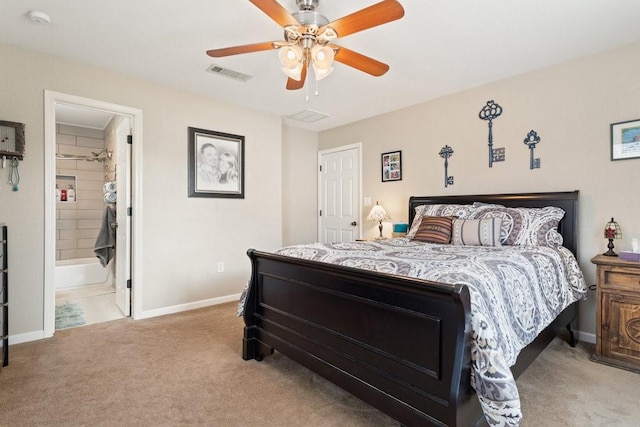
(309, 36)
(291, 60)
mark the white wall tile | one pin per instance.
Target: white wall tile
(78, 223)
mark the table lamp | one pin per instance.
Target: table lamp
(612, 231)
(378, 214)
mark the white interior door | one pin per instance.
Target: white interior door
(339, 194)
(123, 204)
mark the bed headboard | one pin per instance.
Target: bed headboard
(567, 200)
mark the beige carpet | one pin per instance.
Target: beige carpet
(187, 369)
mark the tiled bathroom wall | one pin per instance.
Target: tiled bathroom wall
(78, 223)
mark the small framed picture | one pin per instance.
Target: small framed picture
(216, 164)
(625, 140)
(392, 166)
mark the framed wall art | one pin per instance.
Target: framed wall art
(625, 140)
(216, 164)
(392, 166)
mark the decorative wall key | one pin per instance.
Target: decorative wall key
(531, 140)
(445, 153)
(489, 112)
(14, 174)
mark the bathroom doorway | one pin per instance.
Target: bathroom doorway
(88, 239)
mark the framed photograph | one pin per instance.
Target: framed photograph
(392, 166)
(625, 140)
(216, 164)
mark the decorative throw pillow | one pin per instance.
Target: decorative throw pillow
(476, 232)
(526, 226)
(434, 229)
(451, 210)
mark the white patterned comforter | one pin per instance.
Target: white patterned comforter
(516, 291)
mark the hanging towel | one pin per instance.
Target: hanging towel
(106, 240)
(110, 197)
(109, 187)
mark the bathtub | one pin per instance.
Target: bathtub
(73, 273)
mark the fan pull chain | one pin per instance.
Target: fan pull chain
(14, 174)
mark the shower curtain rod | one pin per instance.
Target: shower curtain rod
(91, 159)
(97, 157)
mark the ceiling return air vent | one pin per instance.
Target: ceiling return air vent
(235, 75)
(308, 116)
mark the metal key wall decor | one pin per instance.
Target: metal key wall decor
(489, 112)
(445, 153)
(531, 140)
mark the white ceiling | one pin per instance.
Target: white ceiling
(439, 47)
(86, 117)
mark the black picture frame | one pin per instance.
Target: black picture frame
(391, 166)
(625, 140)
(216, 164)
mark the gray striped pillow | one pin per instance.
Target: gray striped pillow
(476, 232)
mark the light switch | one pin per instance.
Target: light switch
(367, 201)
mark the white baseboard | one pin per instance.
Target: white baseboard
(587, 337)
(38, 335)
(186, 307)
(29, 336)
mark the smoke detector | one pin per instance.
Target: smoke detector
(39, 17)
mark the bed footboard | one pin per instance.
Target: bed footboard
(400, 344)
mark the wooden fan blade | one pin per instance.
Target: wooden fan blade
(372, 16)
(298, 84)
(359, 61)
(236, 50)
(276, 12)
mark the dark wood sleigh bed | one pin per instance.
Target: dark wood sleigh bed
(342, 323)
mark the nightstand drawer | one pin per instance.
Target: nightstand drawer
(621, 277)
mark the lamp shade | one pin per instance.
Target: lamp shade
(321, 73)
(322, 56)
(295, 73)
(290, 56)
(612, 230)
(378, 214)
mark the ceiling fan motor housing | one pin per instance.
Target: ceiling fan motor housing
(307, 4)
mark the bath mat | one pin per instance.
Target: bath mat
(69, 315)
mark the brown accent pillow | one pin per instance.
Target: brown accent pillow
(434, 229)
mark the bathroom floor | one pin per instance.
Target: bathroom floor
(98, 302)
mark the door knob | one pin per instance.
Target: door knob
(354, 223)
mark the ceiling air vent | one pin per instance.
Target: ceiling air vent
(308, 116)
(216, 69)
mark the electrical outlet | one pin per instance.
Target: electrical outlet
(220, 266)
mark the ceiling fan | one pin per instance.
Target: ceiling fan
(309, 39)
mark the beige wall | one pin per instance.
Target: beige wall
(570, 106)
(299, 186)
(182, 238)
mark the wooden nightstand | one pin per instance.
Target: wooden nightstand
(617, 313)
